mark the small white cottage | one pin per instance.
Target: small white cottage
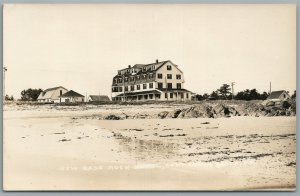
(72, 97)
(279, 96)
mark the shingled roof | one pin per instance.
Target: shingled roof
(140, 66)
(71, 93)
(54, 88)
(275, 94)
(49, 93)
(99, 98)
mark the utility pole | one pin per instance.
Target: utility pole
(270, 87)
(232, 84)
(4, 70)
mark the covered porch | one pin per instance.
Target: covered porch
(139, 96)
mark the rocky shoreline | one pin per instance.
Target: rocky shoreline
(147, 110)
(209, 110)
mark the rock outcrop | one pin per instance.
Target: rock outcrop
(203, 110)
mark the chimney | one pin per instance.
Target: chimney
(129, 66)
(156, 60)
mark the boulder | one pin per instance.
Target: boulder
(285, 105)
(197, 111)
(163, 114)
(140, 116)
(221, 110)
(173, 114)
(270, 103)
(112, 117)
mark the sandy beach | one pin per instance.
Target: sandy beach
(70, 148)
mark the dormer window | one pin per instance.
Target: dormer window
(119, 73)
(153, 67)
(138, 78)
(144, 69)
(150, 75)
(120, 80)
(131, 78)
(126, 79)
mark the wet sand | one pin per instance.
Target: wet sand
(72, 150)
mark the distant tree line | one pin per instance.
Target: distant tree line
(224, 93)
(30, 94)
(9, 98)
(251, 95)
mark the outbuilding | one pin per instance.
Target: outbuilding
(72, 97)
(98, 98)
(279, 96)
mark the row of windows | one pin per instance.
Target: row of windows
(145, 68)
(133, 88)
(157, 96)
(145, 86)
(138, 87)
(144, 76)
(169, 85)
(134, 70)
(148, 68)
(174, 94)
(133, 78)
(128, 71)
(169, 76)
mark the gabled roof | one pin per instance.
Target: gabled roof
(157, 64)
(140, 66)
(49, 93)
(71, 93)
(54, 88)
(99, 98)
(275, 94)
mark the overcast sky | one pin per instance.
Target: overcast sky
(81, 47)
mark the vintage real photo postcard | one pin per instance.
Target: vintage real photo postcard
(149, 97)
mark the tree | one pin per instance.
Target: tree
(294, 95)
(214, 95)
(254, 95)
(264, 95)
(9, 98)
(224, 91)
(199, 97)
(6, 98)
(30, 94)
(205, 96)
(251, 95)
